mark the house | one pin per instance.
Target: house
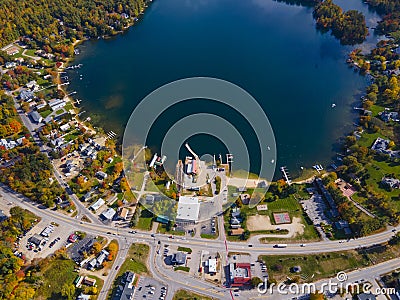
(95, 206)
(380, 144)
(35, 117)
(92, 264)
(123, 213)
(188, 210)
(65, 127)
(178, 258)
(83, 297)
(89, 281)
(387, 116)
(101, 258)
(126, 289)
(56, 104)
(108, 214)
(26, 95)
(236, 232)
(393, 183)
(239, 274)
(32, 85)
(11, 64)
(101, 175)
(86, 196)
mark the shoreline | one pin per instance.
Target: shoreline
(296, 176)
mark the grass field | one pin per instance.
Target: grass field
(136, 260)
(367, 139)
(313, 267)
(187, 295)
(45, 113)
(145, 220)
(54, 275)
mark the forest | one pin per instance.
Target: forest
(349, 27)
(57, 23)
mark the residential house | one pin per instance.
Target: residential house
(126, 289)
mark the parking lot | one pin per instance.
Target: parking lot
(209, 227)
(56, 239)
(149, 288)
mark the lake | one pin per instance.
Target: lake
(270, 49)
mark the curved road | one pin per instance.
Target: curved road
(125, 239)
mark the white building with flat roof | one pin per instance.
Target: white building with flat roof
(212, 265)
(188, 209)
(99, 203)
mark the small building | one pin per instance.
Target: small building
(123, 213)
(212, 265)
(101, 258)
(239, 274)
(242, 189)
(26, 95)
(65, 127)
(101, 175)
(56, 104)
(162, 219)
(108, 214)
(72, 238)
(89, 281)
(178, 258)
(237, 231)
(99, 203)
(35, 117)
(35, 239)
(393, 183)
(149, 199)
(83, 297)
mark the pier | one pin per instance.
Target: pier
(111, 135)
(286, 175)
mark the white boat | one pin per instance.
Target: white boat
(333, 105)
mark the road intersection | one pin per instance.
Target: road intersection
(168, 276)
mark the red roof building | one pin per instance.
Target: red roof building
(239, 274)
(72, 238)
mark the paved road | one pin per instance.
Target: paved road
(125, 239)
(81, 209)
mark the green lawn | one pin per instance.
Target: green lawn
(187, 295)
(182, 268)
(367, 139)
(72, 135)
(313, 266)
(68, 106)
(376, 109)
(45, 113)
(30, 52)
(60, 111)
(136, 260)
(145, 220)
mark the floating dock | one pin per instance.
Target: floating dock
(286, 175)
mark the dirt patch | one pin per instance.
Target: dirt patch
(262, 222)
